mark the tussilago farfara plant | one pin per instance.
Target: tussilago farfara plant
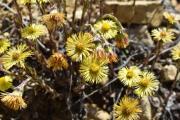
(127, 109)
(163, 35)
(4, 45)
(176, 52)
(90, 55)
(169, 17)
(16, 56)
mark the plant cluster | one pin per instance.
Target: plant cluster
(87, 57)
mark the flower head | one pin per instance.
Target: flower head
(169, 17)
(16, 56)
(147, 84)
(79, 46)
(94, 70)
(32, 1)
(164, 35)
(176, 52)
(129, 76)
(107, 28)
(57, 61)
(112, 56)
(33, 31)
(4, 45)
(121, 40)
(5, 83)
(54, 20)
(26, 1)
(14, 100)
(127, 109)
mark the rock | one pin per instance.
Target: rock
(158, 66)
(145, 12)
(169, 72)
(146, 107)
(95, 113)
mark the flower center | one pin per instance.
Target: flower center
(163, 34)
(144, 83)
(31, 31)
(105, 27)
(129, 74)
(79, 47)
(15, 56)
(126, 112)
(94, 68)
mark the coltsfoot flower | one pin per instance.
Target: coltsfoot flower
(26, 1)
(147, 85)
(34, 31)
(107, 28)
(176, 52)
(164, 35)
(32, 1)
(54, 20)
(94, 70)
(79, 46)
(5, 83)
(127, 109)
(112, 56)
(169, 17)
(129, 76)
(57, 61)
(4, 45)
(13, 100)
(16, 56)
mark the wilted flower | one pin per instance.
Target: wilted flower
(121, 40)
(147, 84)
(33, 31)
(112, 56)
(5, 83)
(4, 45)
(107, 28)
(164, 35)
(16, 56)
(176, 52)
(169, 17)
(129, 76)
(94, 70)
(54, 20)
(127, 109)
(14, 100)
(57, 61)
(79, 46)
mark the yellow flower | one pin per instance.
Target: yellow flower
(94, 70)
(79, 46)
(127, 109)
(147, 84)
(169, 17)
(26, 1)
(16, 56)
(5, 83)
(32, 1)
(54, 20)
(107, 28)
(129, 76)
(57, 61)
(33, 31)
(14, 100)
(4, 45)
(176, 52)
(164, 35)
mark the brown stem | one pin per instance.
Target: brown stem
(74, 11)
(30, 13)
(19, 13)
(39, 6)
(158, 51)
